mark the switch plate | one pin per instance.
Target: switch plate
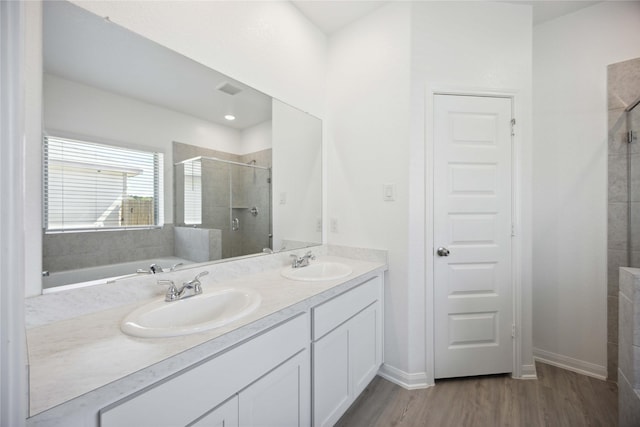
(319, 225)
(388, 192)
(283, 198)
(334, 225)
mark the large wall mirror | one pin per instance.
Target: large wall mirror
(152, 160)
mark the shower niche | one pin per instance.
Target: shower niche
(223, 207)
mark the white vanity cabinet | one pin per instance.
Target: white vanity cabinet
(225, 415)
(241, 386)
(346, 348)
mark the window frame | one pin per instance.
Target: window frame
(157, 183)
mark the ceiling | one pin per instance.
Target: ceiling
(87, 49)
(331, 15)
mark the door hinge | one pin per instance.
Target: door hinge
(513, 124)
(513, 230)
(631, 136)
(513, 330)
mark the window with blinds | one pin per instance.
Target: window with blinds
(193, 192)
(91, 186)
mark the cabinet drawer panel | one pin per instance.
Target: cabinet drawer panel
(338, 310)
(191, 393)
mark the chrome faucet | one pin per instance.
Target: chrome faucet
(188, 289)
(303, 261)
(155, 268)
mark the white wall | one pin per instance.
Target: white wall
(33, 147)
(571, 54)
(297, 205)
(256, 138)
(367, 127)
(380, 69)
(469, 46)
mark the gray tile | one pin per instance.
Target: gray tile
(617, 126)
(636, 366)
(615, 260)
(625, 337)
(627, 279)
(612, 319)
(612, 360)
(617, 226)
(617, 180)
(623, 83)
(628, 404)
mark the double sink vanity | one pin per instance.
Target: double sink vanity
(263, 344)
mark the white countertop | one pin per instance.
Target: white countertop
(87, 358)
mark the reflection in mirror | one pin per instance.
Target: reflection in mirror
(227, 203)
(104, 85)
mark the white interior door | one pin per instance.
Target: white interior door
(473, 228)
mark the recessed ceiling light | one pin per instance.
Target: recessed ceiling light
(230, 117)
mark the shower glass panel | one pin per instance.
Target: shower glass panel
(232, 197)
(632, 119)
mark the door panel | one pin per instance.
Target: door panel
(472, 219)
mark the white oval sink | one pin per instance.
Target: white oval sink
(317, 272)
(199, 313)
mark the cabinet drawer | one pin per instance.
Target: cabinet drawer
(338, 310)
(191, 393)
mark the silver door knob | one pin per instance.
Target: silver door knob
(442, 251)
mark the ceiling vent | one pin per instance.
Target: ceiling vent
(228, 88)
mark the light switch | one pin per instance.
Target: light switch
(388, 192)
(283, 198)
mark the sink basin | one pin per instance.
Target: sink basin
(317, 272)
(199, 313)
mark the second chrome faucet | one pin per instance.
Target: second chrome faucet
(303, 261)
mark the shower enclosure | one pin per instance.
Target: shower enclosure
(232, 197)
(623, 240)
(632, 125)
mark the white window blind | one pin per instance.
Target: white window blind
(95, 186)
(193, 192)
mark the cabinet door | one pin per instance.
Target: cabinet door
(225, 415)
(331, 389)
(365, 347)
(281, 398)
(344, 362)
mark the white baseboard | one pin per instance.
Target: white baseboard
(528, 372)
(404, 379)
(571, 364)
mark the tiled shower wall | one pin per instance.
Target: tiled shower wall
(250, 188)
(623, 87)
(72, 250)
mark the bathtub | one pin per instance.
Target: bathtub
(68, 279)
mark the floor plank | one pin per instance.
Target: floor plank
(558, 398)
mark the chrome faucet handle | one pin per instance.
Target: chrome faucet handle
(154, 268)
(173, 293)
(295, 262)
(203, 273)
(310, 255)
(195, 283)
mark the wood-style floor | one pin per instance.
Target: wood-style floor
(557, 398)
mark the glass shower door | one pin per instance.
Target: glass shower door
(250, 209)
